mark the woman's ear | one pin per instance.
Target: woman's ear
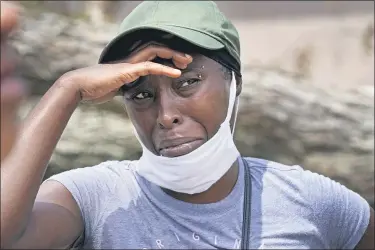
(238, 85)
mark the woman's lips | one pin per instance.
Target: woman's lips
(181, 149)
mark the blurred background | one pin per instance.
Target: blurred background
(308, 74)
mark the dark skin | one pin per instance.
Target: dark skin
(163, 109)
(30, 212)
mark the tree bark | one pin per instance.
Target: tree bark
(51, 44)
(282, 117)
(326, 130)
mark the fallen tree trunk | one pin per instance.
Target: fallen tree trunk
(282, 117)
(51, 44)
(322, 129)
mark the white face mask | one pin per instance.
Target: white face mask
(198, 170)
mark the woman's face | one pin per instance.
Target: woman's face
(175, 116)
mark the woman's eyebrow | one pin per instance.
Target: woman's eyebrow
(192, 68)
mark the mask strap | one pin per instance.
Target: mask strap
(235, 116)
(232, 98)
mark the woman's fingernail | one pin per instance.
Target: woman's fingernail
(188, 56)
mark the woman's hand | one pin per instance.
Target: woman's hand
(100, 83)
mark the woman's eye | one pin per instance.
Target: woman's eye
(142, 96)
(188, 83)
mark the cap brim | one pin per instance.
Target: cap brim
(192, 36)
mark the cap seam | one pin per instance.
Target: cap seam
(214, 10)
(153, 13)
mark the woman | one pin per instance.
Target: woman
(177, 65)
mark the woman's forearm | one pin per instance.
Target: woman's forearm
(23, 169)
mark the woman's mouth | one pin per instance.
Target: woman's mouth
(176, 148)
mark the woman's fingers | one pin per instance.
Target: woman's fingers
(151, 68)
(150, 52)
(131, 72)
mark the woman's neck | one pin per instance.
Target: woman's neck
(215, 193)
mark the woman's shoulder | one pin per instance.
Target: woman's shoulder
(111, 168)
(263, 166)
(330, 214)
(104, 178)
(292, 184)
(293, 176)
(292, 180)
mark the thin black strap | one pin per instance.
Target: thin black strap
(245, 241)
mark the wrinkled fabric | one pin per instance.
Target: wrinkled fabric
(291, 209)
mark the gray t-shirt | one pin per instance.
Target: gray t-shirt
(291, 209)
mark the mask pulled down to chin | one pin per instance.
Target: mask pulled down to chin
(198, 170)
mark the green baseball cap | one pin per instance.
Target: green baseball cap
(200, 23)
